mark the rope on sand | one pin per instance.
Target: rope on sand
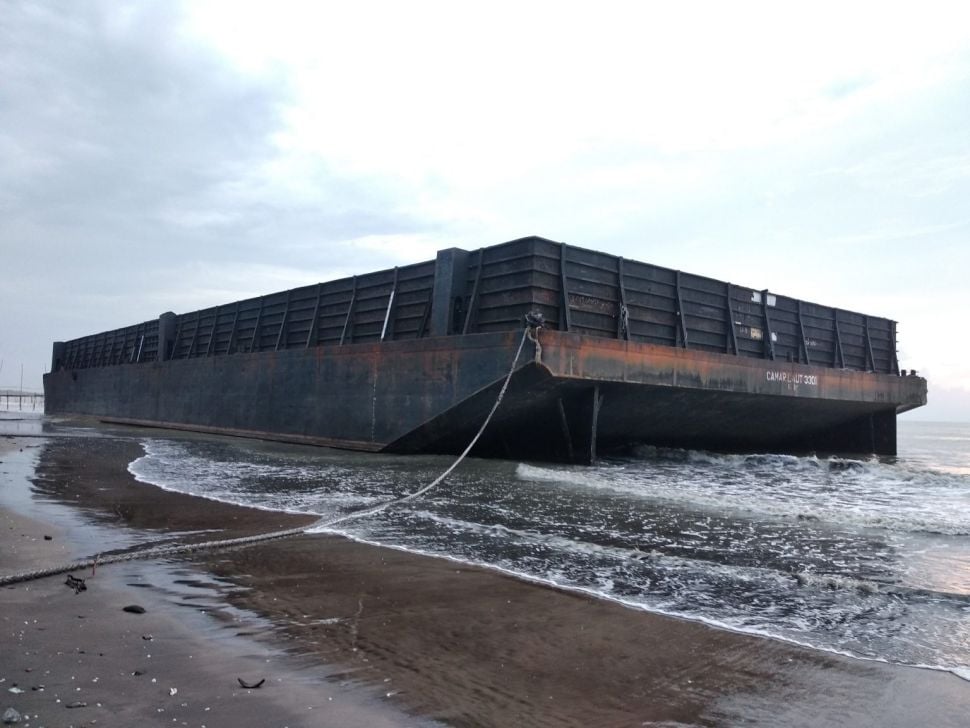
(163, 551)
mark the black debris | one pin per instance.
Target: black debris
(76, 584)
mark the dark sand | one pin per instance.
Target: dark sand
(350, 634)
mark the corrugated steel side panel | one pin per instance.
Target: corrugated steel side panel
(131, 344)
(575, 289)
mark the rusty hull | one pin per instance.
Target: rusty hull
(586, 358)
(587, 394)
(582, 395)
(357, 396)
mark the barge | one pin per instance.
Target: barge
(411, 359)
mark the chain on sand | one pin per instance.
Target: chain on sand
(164, 551)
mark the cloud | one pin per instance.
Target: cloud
(140, 169)
(163, 155)
(119, 123)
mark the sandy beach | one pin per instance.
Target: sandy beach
(349, 634)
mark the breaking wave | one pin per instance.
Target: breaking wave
(837, 491)
(864, 557)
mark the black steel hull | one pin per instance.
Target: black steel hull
(580, 395)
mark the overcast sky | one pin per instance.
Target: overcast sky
(165, 156)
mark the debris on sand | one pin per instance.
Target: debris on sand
(76, 584)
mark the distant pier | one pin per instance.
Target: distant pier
(16, 400)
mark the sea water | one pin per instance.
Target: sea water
(865, 557)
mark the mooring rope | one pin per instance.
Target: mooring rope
(163, 551)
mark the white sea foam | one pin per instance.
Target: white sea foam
(553, 579)
(961, 672)
(840, 492)
(810, 550)
(171, 465)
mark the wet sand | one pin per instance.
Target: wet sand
(389, 637)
